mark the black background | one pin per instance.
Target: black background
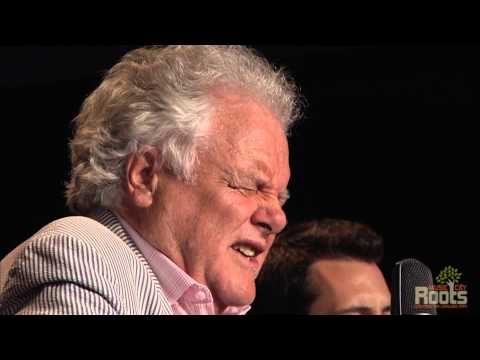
(387, 138)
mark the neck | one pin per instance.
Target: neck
(154, 229)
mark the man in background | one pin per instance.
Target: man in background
(327, 267)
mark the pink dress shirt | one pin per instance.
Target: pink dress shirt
(185, 295)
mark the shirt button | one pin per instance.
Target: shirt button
(201, 296)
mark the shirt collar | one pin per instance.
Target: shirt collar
(174, 281)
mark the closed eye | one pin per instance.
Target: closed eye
(242, 188)
(282, 197)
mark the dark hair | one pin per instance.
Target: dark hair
(281, 284)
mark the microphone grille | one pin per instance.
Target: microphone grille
(407, 275)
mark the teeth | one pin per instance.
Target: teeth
(248, 252)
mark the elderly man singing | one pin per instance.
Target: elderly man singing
(179, 174)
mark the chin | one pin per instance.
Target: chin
(232, 295)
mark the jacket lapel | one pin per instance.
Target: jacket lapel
(110, 220)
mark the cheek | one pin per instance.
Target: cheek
(225, 218)
(214, 218)
(238, 209)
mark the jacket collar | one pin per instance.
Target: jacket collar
(108, 219)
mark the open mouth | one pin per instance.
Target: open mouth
(246, 250)
(250, 254)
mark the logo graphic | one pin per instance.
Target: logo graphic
(447, 294)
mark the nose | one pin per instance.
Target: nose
(270, 219)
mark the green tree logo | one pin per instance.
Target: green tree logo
(449, 276)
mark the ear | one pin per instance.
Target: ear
(142, 176)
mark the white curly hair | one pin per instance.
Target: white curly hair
(159, 96)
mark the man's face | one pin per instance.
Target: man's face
(224, 223)
(348, 287)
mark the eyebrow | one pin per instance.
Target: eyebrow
(360, 309)
(283, 196)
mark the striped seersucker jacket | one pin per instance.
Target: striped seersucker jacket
(80, 265)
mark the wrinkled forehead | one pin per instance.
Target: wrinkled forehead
(237, 103)
(246, 133)
(245, 124)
